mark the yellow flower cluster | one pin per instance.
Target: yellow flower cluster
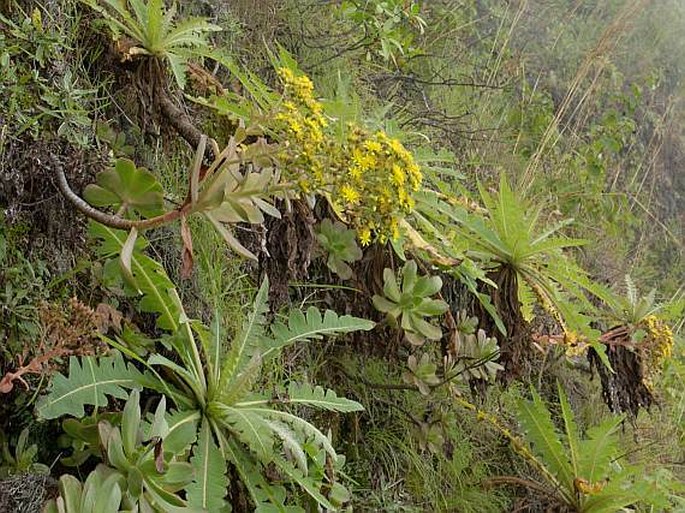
(302, 121)
(575, 345)
(376, 180)
(656, 348)
(369, 178)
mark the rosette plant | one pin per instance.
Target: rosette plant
(213, 383)
(407, 301)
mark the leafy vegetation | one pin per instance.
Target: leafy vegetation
(585, 473)
(216, 397)
(409, 303)
(148, 29)
(239, 241)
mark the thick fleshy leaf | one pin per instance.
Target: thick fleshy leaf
(127, 187)
(230, 238)
(425, 328)
(126, 257)
(341, 245)
(149, 275)
(409, 277)
(427, 286)
(130, 423)
(431, 307)
(390, 287)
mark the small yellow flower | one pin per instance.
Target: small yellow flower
(349, 194)
(356, 172)
(373, 146)
(295, 126)
(365, 236)
(396, 146)
(364, 160)
(398, 176)
(395, 228)
(370, 176)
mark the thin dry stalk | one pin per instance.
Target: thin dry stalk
(596, 59)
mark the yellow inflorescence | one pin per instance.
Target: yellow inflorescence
(368, 177)
(656, 348)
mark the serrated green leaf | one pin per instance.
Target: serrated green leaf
(182, 431)
(248, 341)
(266, 496)
(208, 489)
(90, 381)
(312, 326)
(599, 449)
(291, 445)
(318, 397)
(526, 298)
(308, 484)
(540, 431)
(252, 429)
(149, 276)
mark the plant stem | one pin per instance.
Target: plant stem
(113, 221)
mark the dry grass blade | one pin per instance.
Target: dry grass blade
(595, 59)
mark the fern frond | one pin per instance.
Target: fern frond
(90, 381)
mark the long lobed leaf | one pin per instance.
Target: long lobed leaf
(89, 382)
(209, 487)
(312, 326)
(540, 431)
